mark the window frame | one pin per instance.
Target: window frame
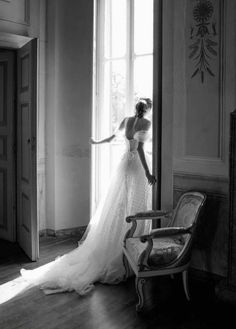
(99, 84)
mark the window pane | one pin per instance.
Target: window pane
(143, 84)
(115, 28)
(117, 84)
(143, 76)
(118, 92)
(143, 26)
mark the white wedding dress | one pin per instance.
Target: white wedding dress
(99, 257)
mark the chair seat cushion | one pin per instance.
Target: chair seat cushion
(164, 250)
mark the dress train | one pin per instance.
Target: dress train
(99, 256)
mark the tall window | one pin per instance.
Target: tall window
(124, 70)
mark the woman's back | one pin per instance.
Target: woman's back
(134, 124)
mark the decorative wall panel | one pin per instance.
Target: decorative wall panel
(25, 212)
(25, 142)
(204, 79)
(17, 11)
(3, 198)
(3, 96)
(3, 147)
(211, 244)
(24, 64)
(199, 88)
(232, 203)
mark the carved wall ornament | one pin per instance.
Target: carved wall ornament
(203, 35)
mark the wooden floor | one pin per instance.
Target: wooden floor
(107, 307)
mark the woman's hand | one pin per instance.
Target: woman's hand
(105, 140)
(92, 141)
(151, 178)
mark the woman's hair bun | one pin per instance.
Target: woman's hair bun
(142, 106)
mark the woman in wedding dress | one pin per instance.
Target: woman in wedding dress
(98, 258)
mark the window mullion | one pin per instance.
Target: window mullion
(128, 58)
(100, 96)
(131, 58)
(102, 66)
(110, 69)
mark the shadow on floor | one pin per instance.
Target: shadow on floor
(109, 307)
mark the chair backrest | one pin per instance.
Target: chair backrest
(187, 209)
(186, 214)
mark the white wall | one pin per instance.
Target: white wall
(69, 107)
(65, 33)
(167, 106)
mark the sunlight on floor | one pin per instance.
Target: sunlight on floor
(13, 288)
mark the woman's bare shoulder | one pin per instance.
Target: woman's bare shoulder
(146, 123)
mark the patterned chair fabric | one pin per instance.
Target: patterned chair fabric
(164, 250)
(186, 211)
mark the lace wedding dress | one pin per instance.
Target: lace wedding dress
(99, 256)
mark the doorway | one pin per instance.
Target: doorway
(18, 214)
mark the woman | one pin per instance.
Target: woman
(99, 256)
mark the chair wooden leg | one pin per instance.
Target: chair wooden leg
(185, 284)
(139, 284)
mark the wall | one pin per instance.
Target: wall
(167, 106)
(26, 18)
(201, 105)
(65, 34)
(68, 120)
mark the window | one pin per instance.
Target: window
(124, 72)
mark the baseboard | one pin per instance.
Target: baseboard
(75, 231)
(205, 276)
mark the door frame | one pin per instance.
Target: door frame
(157, 102)
(14, 42)
(8, 230)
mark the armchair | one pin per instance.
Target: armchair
(165, 251)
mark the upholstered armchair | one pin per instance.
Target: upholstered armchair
(167, 250)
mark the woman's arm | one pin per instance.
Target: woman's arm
(151, 178)
(105, 140)
(109, 139)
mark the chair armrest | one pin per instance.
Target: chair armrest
(165, 232)
(151, 214)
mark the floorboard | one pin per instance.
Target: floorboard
(106, 307)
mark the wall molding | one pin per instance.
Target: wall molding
(212, 164)
(3, 155)
(221, 93)
(26, 18)
(75, 231)
(232, 203)
(211, 184)
(4, 67)
(4, 224)
(207, 177)
(211, 194)
(210, 250)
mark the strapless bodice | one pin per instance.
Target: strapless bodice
(131, 145)
(139, 136)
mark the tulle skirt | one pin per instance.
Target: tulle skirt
(99, 256)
